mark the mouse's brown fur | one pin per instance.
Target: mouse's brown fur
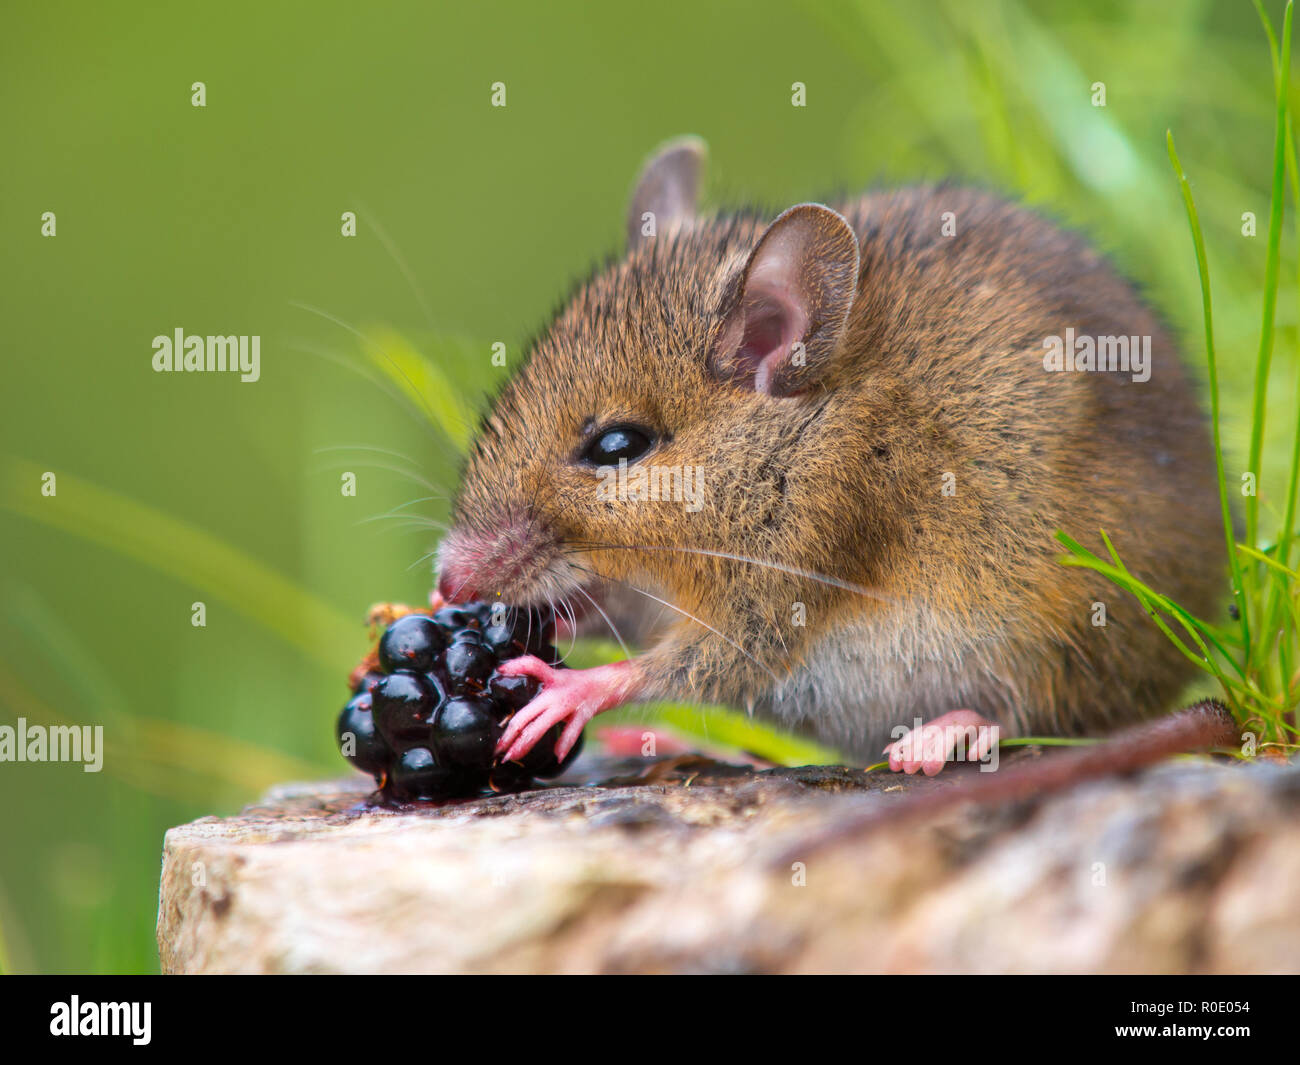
(938, 370)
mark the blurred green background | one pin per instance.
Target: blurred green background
(472, 222)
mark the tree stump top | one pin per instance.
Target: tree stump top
(690, 865)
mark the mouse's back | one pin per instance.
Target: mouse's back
(1011, 384)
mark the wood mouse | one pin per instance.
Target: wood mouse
(865, 395)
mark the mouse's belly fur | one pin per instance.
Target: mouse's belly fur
(861, 684)
(859, 687)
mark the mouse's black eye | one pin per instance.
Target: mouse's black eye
(619, 442)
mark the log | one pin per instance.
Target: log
(691, 865)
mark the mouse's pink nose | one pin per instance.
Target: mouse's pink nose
(454, 585)
(473, 565)
(460, 562)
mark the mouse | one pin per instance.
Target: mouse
(829, 447)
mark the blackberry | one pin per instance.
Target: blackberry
(508, 627)
(426, 724)
(416, 775)
(453, 619)
(501, 638)
(368, 682)
(359, 741)
(541, 760)
(509, 777)
(404, 707)
(466, 733)
(468, 665)
(513, 692)
(411, 642)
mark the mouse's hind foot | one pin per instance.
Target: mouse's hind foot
(960, 733)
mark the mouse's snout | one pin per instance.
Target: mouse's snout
(513, 560)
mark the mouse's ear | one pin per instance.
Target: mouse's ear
(667, 190)
(786, 315)
(787, 312)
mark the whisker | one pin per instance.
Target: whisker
(460, 587)
(612, 627)
(780, 567)
(687, 614)
(390, 246)
(393, 513)
(384, 386)
(421, 481)
(424, 401)
(411, 523)
(365, 447)
(550, 603)
(573, 625)
(422, 558)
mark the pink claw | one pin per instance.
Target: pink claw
(574, 696)
(932, 746)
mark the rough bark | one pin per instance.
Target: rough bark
(688, 865)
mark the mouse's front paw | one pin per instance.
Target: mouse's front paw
(571, 696)
(933, 745)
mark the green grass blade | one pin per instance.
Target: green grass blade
(1203, 270)
(1154, 603)
(1264, 358)
(188, 554)
(1278, 589)
(1272, 563)
(421, 381)
(725, 727)
(1163, 602)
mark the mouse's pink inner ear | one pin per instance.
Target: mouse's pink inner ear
(783, 323)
